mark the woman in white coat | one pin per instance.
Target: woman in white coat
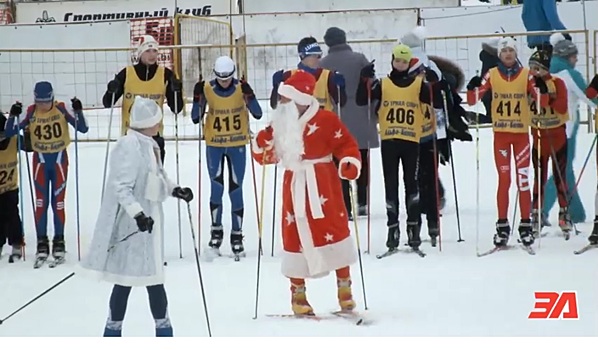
(126, 249)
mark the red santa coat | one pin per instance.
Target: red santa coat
(315, 228)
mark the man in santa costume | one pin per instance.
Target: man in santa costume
(315, 230)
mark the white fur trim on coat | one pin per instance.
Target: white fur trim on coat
(297, 96)
(133, 209)
(330, 258)
(350, 160)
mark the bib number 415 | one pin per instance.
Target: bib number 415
(551, 305)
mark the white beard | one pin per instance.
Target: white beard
(288, 135)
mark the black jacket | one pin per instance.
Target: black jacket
(146, 73)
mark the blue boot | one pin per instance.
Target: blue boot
(163, 327)
(112, 332)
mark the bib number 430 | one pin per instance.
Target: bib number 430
(552, 306)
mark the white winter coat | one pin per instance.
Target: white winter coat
(136, 182)
(574, 96)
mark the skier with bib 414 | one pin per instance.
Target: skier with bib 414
(511, 86)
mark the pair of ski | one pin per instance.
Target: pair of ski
(527, 249)
(213, 253)
(393, 251)
(354, 317)
(39, 262)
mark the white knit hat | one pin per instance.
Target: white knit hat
(145, 113)
(147, 42)
(506, 42)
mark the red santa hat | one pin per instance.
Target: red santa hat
(299, 87)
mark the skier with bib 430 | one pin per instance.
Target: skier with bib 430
(403, 110)
(226, 133)
(511, 86)
(330, 86)
(48, 121)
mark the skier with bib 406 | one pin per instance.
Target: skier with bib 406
(226, 133)
(511, 86)
(48, 121)
(403, 108)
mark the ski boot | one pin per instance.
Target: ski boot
(414, 240)
(565, 223)
(345, 295)
(299, 302)
(216, 236)
(392, 242)
(113, 328)
(236, 244)
(594, 235)
(16, 253)
(503, 231)
(525, 232)
(42, 253)
(58, 251)
(433, 232)
(545, 222)
(537, 225)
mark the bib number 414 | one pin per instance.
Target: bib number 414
(551, 305)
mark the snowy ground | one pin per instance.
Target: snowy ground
(450, 293)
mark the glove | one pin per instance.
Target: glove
(144, 223)
(16, 109)
(76, 105)
(114, 86)
(265, 138)
(541, 85)
(198, 88)
(277, 78)
(339, 79)
(474, 83)
(176, 85)
(594, 83)
(347, 170)
(183, 193)
(368, 71)
(246, 89)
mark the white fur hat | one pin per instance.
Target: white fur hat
(415, 37)
(145, 113)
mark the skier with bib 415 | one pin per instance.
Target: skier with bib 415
(226, 133)
(48, 121)
(511, 86)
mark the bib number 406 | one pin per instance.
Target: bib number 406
(551, 305)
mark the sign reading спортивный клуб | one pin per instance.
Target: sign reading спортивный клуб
(109, 10)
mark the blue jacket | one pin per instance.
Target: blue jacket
(540, 15)
(200, 103)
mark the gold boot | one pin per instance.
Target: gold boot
(345, 296)
(299, 301)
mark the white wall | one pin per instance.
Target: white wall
(81, 74)
(272, 6)
(85, 11)
(287, 29)
(468, 21)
